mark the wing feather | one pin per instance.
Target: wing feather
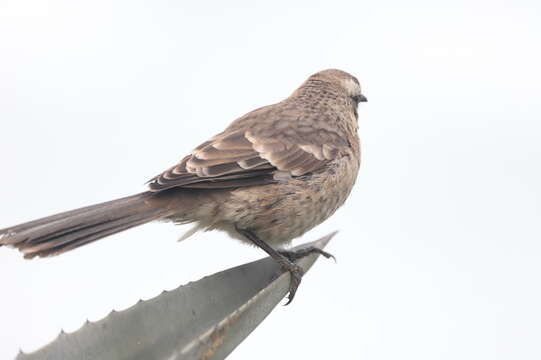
(240, 158)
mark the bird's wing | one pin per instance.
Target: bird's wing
(240, 158)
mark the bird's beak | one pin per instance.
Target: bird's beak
(362, 98)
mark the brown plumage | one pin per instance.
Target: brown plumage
(270, 176)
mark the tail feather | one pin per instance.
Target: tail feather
(63, 244)
(59, 233)
(63, 215)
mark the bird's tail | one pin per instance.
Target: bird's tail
(59, 233)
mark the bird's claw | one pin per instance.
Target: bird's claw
(296, 274)
(299, 254)
(295, 270)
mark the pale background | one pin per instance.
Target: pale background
(439, 249)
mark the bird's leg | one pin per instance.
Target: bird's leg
(299, 254)
(286, 264)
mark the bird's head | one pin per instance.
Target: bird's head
(343, 81)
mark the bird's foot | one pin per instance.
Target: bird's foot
(299, 254)
(295, 270)
(286, 259)
(296, 273)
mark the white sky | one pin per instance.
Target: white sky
(439, 249)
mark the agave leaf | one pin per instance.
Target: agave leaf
(205, 319)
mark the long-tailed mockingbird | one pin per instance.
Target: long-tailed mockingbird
(269, 177)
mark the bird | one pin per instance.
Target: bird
(269, 177)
